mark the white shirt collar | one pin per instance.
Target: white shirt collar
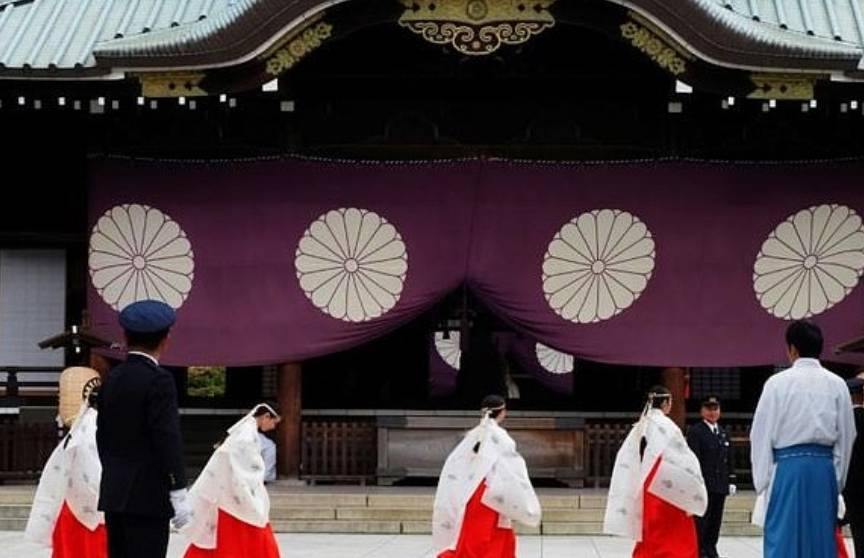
(145, 355)
(807, 363)
(711, 425)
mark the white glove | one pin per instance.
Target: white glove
(182, 511)
(732, 490)
(841, 507)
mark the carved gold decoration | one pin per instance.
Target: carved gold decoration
(477, 27)
(171, 84)
(653, 45)
(307, 41)
(782, 86)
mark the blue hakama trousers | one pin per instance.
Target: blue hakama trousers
(802, 509)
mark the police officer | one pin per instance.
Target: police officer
(138, 438)
(709, 442)
(853, 493)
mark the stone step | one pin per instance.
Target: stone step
(384, 514)
(588, 501)
(426, 501)
(299, 526)
(14, 511)
(278, 513)
(570, 516)
(572, 528)
(374, 511)
(317, 500)
(401, 501)
(12, 524)
(16, 497)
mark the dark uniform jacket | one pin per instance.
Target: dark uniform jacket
(713, 453)
(853, 492)
(138, 438)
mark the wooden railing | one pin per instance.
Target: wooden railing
(24, 449)
(344, 448)
(739, 439)
(338, 450)
(602, 441)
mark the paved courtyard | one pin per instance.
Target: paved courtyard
(417, 546)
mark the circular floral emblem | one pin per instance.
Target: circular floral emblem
(553, 361)
(352, 264)
(810, 262)
(597, 265)
(138, 252)
(448, 348)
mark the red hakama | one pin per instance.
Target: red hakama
(841, 544)
(481, 537)
(667, 531)
(236, 539)
(71, 539)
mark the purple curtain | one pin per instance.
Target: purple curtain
(653, 264)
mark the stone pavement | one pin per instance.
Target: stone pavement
(308, 545)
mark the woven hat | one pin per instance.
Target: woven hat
(76, 383)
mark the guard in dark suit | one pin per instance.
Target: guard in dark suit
(853, 492)
(138, 438)
(709, 442)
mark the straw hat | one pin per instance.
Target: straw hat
(76, 383)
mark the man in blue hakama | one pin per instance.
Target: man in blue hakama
(801, 441)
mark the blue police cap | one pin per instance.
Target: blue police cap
(147, 316)
(856, 385)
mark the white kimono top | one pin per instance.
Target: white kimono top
(232, 480)
(678, 480)
(71, 474)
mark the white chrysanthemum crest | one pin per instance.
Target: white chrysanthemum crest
(448, 348)
(553, 361)
(810, 262)
(137, 252)
(597, 265)
(352, 264)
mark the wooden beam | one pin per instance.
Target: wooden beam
(289, 389)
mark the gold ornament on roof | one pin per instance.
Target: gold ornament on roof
(477, 27)
(305, 42)
(643, 38)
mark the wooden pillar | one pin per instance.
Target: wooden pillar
(674, 378)
(289, 389)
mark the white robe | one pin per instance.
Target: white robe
(71, 474)
(804, 404)
(233, 481)
(678, 480)
(508, 488)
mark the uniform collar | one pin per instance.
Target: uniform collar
(151, 358)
